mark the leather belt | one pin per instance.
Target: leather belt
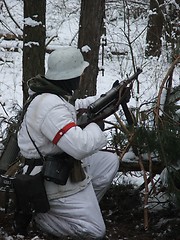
(33, 161)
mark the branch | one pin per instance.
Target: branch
(162, 86)
(11, 16)
(50, 40)
(7, 27)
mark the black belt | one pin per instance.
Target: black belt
(33, 161)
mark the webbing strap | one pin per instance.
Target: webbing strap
(61, 132)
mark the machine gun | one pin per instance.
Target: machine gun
(109, 102)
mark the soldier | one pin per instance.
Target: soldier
(50, 128)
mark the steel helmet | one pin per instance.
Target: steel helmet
(65, 63)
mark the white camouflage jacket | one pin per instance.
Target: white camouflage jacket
(45, 116)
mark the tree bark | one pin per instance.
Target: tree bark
(33, 41)
(172, 30)
(90, 31)
(154, 30)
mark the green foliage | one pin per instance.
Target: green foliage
(157, 136)
(169, 138)
(145, 139)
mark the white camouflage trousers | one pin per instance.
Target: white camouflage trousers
(79, 215)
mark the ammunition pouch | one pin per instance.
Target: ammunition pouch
(31, 198)
(28, 190)
(30, 193)
(57, 168)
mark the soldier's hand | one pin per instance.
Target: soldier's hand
(126, 94)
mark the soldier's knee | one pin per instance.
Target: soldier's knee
(95, 232)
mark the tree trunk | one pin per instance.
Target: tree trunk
(172, 30)
(33, 41)
(90, 31)
(154, 30)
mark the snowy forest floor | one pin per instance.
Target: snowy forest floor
(123, 214)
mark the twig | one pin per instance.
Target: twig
(121, 124)
(50, 40)
(169, 73)
(7, 27)
(130, 140)
(11, 16)
(4, 109)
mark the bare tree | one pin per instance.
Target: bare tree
(154, 30)
(171, 26)
(90, 31)
(33, 41)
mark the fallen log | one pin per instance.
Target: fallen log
(129, 166)
(133, 166)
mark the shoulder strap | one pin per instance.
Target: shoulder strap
(42, 157)
(26, 105)
(24, 109)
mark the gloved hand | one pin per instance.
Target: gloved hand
(83, 119)
(126, 94)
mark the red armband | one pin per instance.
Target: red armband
(61, 132)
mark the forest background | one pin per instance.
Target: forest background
(116, 37)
